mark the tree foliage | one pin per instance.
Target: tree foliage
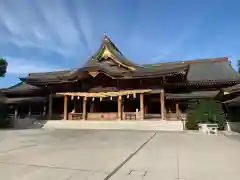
(3, 107)
(205, 111)
(3, 67)
(239, 66)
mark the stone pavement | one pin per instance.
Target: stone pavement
(48, 154)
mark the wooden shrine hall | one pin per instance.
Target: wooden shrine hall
(111, 87)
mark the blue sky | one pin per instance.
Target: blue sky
(47, 35)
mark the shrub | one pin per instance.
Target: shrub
(205, 111)
(4, 122)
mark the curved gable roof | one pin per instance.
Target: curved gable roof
(108, 45)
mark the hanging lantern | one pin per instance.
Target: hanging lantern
(72, 97)
(128, 96)
(111, 98)
(93, 99)
(100, 98)
(134, 95)
(78, 97)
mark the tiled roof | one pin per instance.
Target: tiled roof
(200, 70)
(20, 87)
(22, 100)
(235, 88)
(193, 95)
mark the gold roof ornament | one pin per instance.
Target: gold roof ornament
(226, 92)
(93, 74)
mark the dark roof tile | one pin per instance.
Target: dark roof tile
(212, 71)
(21, 87)
(193, 95)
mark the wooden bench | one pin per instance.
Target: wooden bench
(130, 116)
(75, 116)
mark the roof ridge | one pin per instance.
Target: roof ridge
(219, 59)
(51, 72)
(13, 86)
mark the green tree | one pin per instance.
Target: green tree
(3, 107)
(205, 111)
(3, 67)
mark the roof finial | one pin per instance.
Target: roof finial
(105, 36)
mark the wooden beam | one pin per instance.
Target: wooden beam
(162, 101)
(106, 94)
(65, 107)
(141, 106)
(119, 107)
(50, 103)
(84, 108)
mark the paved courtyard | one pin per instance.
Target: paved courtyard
(45, 154)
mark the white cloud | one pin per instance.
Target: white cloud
(43, 24)
(25, 66)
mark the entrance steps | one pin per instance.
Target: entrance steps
(157, 125)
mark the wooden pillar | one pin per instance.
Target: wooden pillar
(119, 107)
(177, 110)
(81, 105)
(162, 101)
(65, 111)
(145, 109)
(141, 106)
(29, 111)
(44, 110)
(16, 113)
(84, 108)
(15, 121)
(50, 102)
(122, 108)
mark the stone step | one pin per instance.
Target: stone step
(123, 125)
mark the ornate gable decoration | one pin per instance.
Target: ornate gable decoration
(109, 51)
(93, 73)
(107, 54)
